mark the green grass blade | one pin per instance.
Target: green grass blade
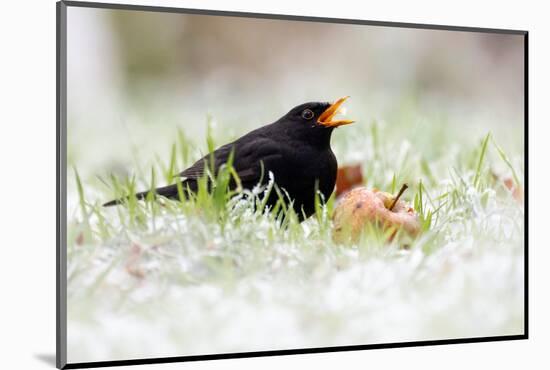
(506, 160)
(481, 159)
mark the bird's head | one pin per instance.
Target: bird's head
(315, 120)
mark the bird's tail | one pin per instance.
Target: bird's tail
(169, 191)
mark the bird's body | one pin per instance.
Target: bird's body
(295, 149)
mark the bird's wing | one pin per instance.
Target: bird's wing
(248, 158)
(196, 171)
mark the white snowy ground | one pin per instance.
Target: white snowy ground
(183, 285)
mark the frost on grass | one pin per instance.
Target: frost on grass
(180, 281)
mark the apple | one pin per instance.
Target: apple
(361, 207)
(347, 178)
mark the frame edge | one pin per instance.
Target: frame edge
(61, 184)
(286, 17)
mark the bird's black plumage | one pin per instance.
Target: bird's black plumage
(295, 148)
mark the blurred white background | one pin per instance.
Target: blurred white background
(133, 77)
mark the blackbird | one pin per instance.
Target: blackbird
(295, 149)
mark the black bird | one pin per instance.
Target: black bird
(295, 148)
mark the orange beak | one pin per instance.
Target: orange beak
(326, 118)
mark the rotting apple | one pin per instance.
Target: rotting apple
(361, 207)
(347, 178)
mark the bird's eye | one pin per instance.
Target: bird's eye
(307, 114)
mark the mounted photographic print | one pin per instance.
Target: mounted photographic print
(236, 185)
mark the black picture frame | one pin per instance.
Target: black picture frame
(61, 186)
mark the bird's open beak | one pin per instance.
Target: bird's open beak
(326, 118)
